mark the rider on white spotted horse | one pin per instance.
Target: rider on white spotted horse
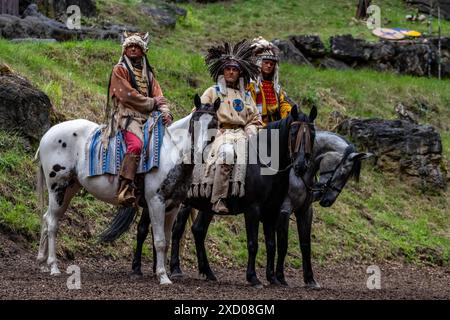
(135, 94)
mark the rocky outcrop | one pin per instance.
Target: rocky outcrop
(415, 57)
(310, 45)
(425, 7)
(289, 53)
(23, 107)
(412, 151)
(36, 25)
(164, 14)
(58, 9)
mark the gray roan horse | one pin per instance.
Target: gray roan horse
(264, 195)
(64, 169)
(336, 160)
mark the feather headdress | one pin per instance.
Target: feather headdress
(265, 50)
(239, 55)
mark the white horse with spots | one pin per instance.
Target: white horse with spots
(64, 170)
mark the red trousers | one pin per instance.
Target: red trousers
(134, 144)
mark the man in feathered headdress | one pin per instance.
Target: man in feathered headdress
(232, 68)
(271, 100)
(135, 93)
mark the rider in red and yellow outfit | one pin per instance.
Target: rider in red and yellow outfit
(271, 101)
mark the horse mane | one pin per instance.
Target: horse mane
(356, 168)
(283, 127)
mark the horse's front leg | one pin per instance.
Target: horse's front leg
(252, 216)
(269, 236)
(156, 206)
(282, 245)
(142, 233)
(199, 230)
(177, 234)
(304, 222)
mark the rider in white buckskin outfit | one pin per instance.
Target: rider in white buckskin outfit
(232, 68)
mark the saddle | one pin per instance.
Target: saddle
(107, 159)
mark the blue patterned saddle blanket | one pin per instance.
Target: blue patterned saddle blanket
(108, 160)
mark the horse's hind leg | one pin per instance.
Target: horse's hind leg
(43, 245)
(304, 221)
(142, 233)
(177, 234)
(282, 245)
(199, 230)
(59, 199)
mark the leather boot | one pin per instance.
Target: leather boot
(125, 194)
(220, 188)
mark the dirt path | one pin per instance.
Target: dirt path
(101, 279)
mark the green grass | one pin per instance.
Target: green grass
(380, 219)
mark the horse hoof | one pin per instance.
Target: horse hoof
(282, 282)
(55, 272)
(312, 285)
(44, 269)
(176, 275)
(257, 285)
(209, 276)
(165, 281)
(136, 274)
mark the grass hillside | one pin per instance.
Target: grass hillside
(382, 218)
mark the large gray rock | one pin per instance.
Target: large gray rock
(23, 107)
(289, 53)
(425, 6)
(163, 14)
(350, 50)
(310, 45)
(410, 150)
(416, 59)
(36, 25)
(58, 9)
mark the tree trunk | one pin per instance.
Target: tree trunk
(361, 12)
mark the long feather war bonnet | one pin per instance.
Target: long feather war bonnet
(240, 55)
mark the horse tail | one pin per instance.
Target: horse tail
(121, 223)
(40, 184)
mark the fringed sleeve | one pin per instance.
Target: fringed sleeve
(126, 95)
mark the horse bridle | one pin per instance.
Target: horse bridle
(191, 129)
(303, 134)
(328, 184)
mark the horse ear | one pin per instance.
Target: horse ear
(197, 101)
(359, 156)
(294, 112)
(313, 114)
(217, 104)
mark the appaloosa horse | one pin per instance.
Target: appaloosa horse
(64, 170)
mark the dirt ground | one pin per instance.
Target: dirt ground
(20, 278)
